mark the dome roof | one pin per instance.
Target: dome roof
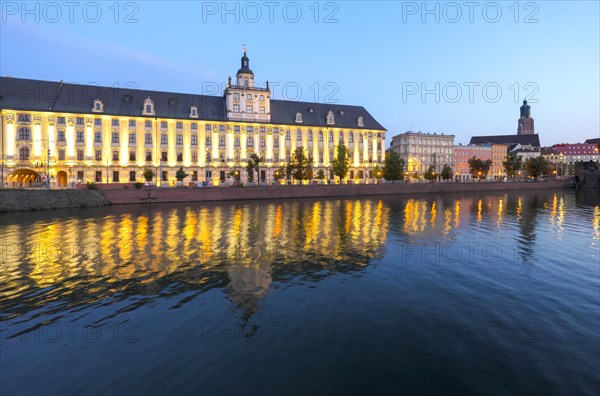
(245, 66)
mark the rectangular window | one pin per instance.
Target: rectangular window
(360, 140)
(261, 98)
(179, 157)
(287, 135)
(61, 155)
(249, 109)
(194, 140)
(261, 109)
(208, 141)
(98, 122)
(262, 129)
(131, 176)
(236, 96)
(207, 127)
(164, 139)
(115, 123)
(132, 123)
(115, 156)
(236, 108)
(275, 141)
(298, 135)
(61, 120)
(98, 137)
(116, 176)
(221, 140)
(115, 137)
(194, 126)
(79, 137)
(310, 136)
(164, 156)
(79, 155)
(320, 136)
(221, 128)
(250, 142)
(132, 138)
(98, 155)
(163, 124)
(148, 155)
(194, 175)
(194, 156)
(331, 136)
(61, 136)
(179, 125)
(165, 176)
(262, 142)
(132, 156)
(148, 124)
(248, 130)
(148, 138)
(179, 139)
(249, 96)
(79, 121)
(79, 176)
(236, 141)
(351, 138)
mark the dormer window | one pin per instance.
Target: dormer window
(330, 119)
(194, 112)
(98, 106)
(148, 106)
(360, 122)
(298, 118)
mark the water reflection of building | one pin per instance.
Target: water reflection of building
(241, 248)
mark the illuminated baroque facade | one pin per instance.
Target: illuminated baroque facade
(79, 133)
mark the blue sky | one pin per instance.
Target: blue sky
(481, 59)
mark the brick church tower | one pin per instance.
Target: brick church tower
(525, 122)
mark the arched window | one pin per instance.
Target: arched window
(331, 136)
(298, 118)
(24, 134)
(148, 107)
(360, 121)
(351, 137)
(330, 118)
(24, 153)
(246, 83)
(98, 106)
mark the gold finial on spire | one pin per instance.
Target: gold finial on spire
(244, 48)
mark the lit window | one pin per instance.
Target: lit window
(179, 139)
(115, 138)
(79, 137)
(61, 155)
(148, 138)
(194, 140)
(23, 153)
(236, 108)
(98, 137)
(164, 139)
(24, 134)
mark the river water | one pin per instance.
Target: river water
(432, 294)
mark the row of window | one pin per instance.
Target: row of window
(236, 97)
(249, 109)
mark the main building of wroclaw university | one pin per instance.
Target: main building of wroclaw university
(83, 133)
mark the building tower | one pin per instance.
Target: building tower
(244, 101)
(525, 122)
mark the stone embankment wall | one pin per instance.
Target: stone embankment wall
(14, 200)
(207, 194)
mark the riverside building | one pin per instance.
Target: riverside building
(422, 150)
(81, 133)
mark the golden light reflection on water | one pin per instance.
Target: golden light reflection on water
(596, 223)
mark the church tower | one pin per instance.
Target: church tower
(525, 122)
(245, 101)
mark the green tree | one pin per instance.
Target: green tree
(299, 165)
(513, 164)
(393, 166)
(377, 172)
(148, 173)
(320, 174)
(180, 174)
(430, 173)
(536, 167)
(478, 168)
(254, 161)
(447, 173)
(341, 161)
